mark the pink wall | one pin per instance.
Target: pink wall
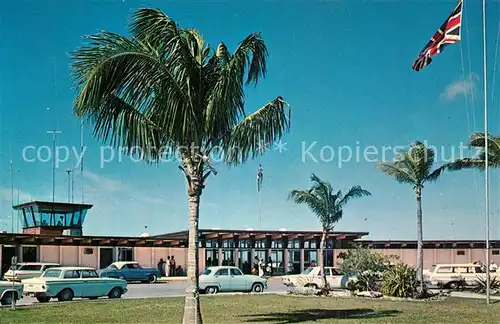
(149, 256)
(89, 260)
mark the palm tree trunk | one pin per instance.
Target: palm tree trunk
(420, 243)
(321, 260)
(192, 312)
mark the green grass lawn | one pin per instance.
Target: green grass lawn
(259, 309)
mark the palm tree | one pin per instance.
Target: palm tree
(478, 142)
(415, 167)
(328, 207)
(164, 91)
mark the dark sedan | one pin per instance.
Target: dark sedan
(130, 271)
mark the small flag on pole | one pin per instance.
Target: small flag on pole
(260, 175)
(448, 33)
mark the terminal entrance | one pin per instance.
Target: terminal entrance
(105, 257)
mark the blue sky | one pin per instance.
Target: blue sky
(345, 67)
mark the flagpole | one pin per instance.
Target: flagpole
(260, 212)
(486, 162)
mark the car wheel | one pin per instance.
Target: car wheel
(43, 299)
(65, 295)
(152, 278)
(453, 285)
(313, 286)
(258, 287)
(115, 293)
(7, 298)
(211, 290)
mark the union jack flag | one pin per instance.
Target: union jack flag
(260, 176)
(448, 33)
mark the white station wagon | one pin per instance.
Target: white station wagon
(65, 283)
(28, 270)
(225, 279)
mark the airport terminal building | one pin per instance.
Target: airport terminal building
(53, 232)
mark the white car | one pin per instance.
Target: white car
(311, 277)
(27, 270)
(65, 283)
(453, 276)
(10, 291)
(230, 279)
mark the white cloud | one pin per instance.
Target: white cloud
(6, 195)
(460, 87)
(103, 183)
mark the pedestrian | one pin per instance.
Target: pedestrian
(172, 265)
(167, 267)
(161, 267)
(493, 266)
(261, 268)
(269, 266)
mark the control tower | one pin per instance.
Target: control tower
(55, 218)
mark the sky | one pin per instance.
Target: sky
(343, 66)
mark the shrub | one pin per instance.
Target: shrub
(366, 265)
(480, 286)
(399, 281)
(359, 260)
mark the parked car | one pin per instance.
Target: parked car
(65, 283)
(226, 279)
(27, 270)
(311, 277)
(453, 276)
(10, 291)
(130, 271)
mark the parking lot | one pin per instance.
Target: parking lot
(170, 289)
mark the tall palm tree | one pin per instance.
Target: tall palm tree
(164, 91)
(415, 167)
(478, 142)
(328, 206)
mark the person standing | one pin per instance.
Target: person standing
(161, 267)
(167, 267)
(172, 266)
(261, 268)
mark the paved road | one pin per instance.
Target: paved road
(172, 289)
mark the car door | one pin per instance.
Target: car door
(238, 280)
(223, 278)
(134, 271)
(92, 285)
(335, 279)
(126, 271)
(72, 279)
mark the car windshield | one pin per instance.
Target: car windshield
(207, 272)
(111, 266)
(52, 273)
(432, 268)
(307, 271)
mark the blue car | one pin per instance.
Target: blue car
(130, 271)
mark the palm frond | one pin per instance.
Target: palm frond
(254, 134)
(395, 170)
(325, 204)
(225, 104)
(421, 159)
(126, 127)
(466, 163)
(354, 193)
(308, 198)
